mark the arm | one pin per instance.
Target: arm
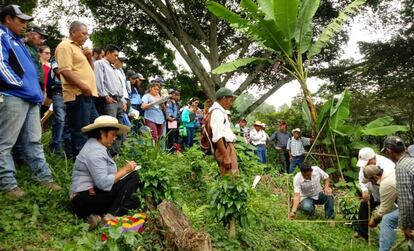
(145, 102)
(295, 206)
(288, 149)
(88, 54)
(7, 75)
(71, 78)
(364, 186)
(185, 116)
(128, 168)
(388, 195)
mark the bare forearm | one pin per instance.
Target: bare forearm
(296, 202)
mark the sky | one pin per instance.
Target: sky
(359, 31)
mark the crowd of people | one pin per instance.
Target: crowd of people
(96, 105)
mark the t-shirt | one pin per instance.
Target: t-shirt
(153, 113)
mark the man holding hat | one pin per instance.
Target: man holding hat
(20, 96)
(394, 148)
(223, 137)
(296, 148)
(388, 212)
(258, 138)
(370, 191)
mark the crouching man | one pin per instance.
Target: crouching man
(388, 212)
(308, 191)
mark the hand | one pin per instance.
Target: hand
(408, 233)
(131, 166)
(124, 107)
(290, 158)
(86, 91)
(292, 215)
(109, 100)
(227, 162)
(372, 223)
(365, 196)
(327, 191)
(171, 119)
(278, 148)
(87, 52)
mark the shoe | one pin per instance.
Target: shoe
(16, 192)
(94, 221)
(52, 185)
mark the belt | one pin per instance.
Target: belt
(117, 98)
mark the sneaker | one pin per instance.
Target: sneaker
(16, 192)
(52, 185)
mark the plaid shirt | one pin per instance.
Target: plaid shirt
(404, 171)
(296, 146)
(309, 188)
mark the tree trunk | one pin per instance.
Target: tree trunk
(179, 233)
(232, 228)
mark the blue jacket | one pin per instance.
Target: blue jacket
(26, 87)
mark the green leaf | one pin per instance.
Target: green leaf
(234, 65)
(251, 8)
(303, 33)
(383, 121)
(306, 113)
(384, 130)
(335, 27)
(324, 111)
(115, 232)
(285, 15)
(340, 111)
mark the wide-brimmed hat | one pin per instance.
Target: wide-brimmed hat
(106, 121)
(296, 130)
(259, 123)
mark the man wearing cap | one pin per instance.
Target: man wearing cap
(137, 91)
(410, 151)
(388, 212)
(78, 83)
(394, 148)
(223, 137)
(20, 96)
(35, 37)
(370, 192)
(126, 88)
(296, 148)
(258, 138)
(279, 140)
(172, 110)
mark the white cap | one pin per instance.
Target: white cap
(296, 130)
(364, 155)
(410, 150)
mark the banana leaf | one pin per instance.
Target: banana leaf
(383, 121)
(384, 130)
(234, 65)
(306, 114)
(303, 33)
(340, 111)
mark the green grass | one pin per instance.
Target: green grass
(42, 219)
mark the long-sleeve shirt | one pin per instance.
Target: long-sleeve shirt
(107, 80)
(296, 146)
(258, 137)
(280, 139)
(386, 164)
(93, 168)
(388, 192)
(404, 172)
(188, 118)
(172, 109)
(11, 83)
(220, 124)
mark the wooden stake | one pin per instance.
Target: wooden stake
(337, 158)
(314, 142)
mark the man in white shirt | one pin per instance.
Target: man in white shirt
(370, 192)
(223, 137)
(258, 138)
(308, 191)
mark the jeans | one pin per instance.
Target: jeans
(297, 160)
(190, 137)
(19, 117)
(117, 201)
(79, 113)
(387, 233)
(308, 205)
(58, 126)
(261, 153)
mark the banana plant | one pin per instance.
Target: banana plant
(283, 27)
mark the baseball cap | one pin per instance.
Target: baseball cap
(158, 80)
(394, 143)
(410, 150)
(224, 92)
(364, 155)
(121, 56)
(369, 172)
(296, 130)
(14, 11)
(35, 28)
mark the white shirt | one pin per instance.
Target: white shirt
(122, 78)
(383, 162)
(258, 137)
(309, 188)
(220, 124)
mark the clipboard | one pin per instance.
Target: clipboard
(160, 101)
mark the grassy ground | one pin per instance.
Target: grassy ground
(42, 220)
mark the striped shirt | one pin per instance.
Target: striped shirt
(309, 188)
(404, 171)
(296, 146)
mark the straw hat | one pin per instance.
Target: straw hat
(106, 121)
(296, 130)
(259, 123)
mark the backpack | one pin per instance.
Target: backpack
(206, 143)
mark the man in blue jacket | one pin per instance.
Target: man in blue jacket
(20, 96)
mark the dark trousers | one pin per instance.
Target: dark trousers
(296, 161)
(172, 139)
(189, 140)
(115, 110)
(79, 113)
(284, 159)
(362, 227)
(117, 202)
